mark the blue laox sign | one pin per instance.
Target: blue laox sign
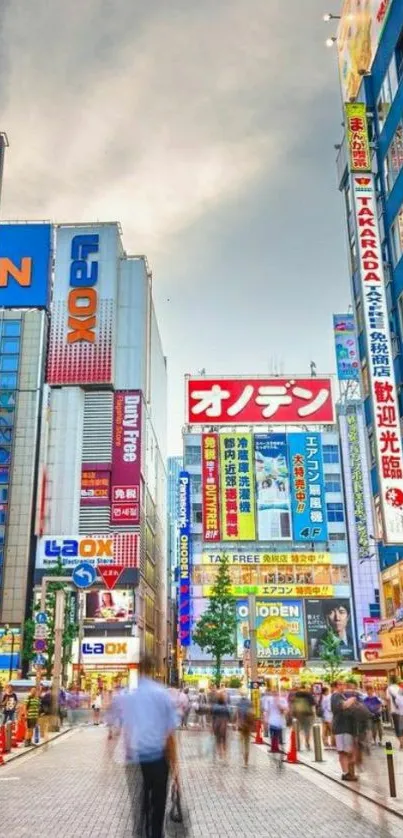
(83, 299)
(94, 549)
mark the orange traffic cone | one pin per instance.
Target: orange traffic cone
(292, 755)
(21, 726)
(2, 743)
(259, 737)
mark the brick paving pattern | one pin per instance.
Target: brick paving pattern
(72, 789)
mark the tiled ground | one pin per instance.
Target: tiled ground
(73, 789)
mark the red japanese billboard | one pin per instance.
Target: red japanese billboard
(211, 489)
(126, 458)
(248, 401)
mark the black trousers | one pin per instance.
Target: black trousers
(155, 788)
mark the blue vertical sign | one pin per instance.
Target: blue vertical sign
(184, 559)
(308, 490)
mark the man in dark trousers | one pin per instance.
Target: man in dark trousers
(149, 721)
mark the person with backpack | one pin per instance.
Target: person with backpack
(245, 723)
(304, 710)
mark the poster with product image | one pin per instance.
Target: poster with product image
(331, 614)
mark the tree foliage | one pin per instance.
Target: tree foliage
(331, 656)
(70, 630)
(215, 630)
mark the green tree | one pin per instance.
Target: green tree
(215, 630)
(331, 656)
(70, 630)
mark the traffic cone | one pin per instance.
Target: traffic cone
(259, 737)
(2, 743)
(292, 755)
(21, 730)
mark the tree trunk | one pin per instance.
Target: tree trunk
(218, 671)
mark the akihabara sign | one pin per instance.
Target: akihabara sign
(384, 396)
(82, 312)
(121, 549)
(126, 458)
(253, 401)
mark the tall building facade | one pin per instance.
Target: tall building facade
(268, 493)
(87, 437)
(370, 163)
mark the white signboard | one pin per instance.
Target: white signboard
(383, 389)
(112, 548)
(108, 650)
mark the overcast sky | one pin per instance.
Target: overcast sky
(207, 128)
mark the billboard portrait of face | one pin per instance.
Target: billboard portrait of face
(272, 487)
(335, 615)
(113, 606)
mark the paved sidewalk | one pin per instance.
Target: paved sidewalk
(373, 779)
(72, 789)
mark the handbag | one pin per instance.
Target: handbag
(177, 820)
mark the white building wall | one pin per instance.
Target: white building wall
(63, 461)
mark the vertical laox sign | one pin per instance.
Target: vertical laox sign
(383, 391)
(126, 457)
(184, 558)
(82, 311)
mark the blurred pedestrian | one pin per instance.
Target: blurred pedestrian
(327, 717)
(221, 716)
(344, 730)
(399, 714)
(391, 693)
(184, 706)
(9, 704)
(264, 704)
(149, 722)
(32, 709)
(96, 708)
(45, 708)
(201, 707)
(374, 704)
(245, 723)
(277, 706)
(304, 711)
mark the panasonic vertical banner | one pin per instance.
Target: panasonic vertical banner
(184, 558)
(82, 319)
(126, 458)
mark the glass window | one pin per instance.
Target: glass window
(7, 399)
(195, 483)
(197, 513)
(397, 61)
(5, 455)
(11, 328)
(365, 378)
(332, 483)
(3, 494)
(394, 160)
(388, 90)
(4, 474)
(397, 236)
(8, 380)
(10, 346)
(3, 513)
(193, 456)
(335, 512)
(330, 454)
(6, 434)
(9, 363)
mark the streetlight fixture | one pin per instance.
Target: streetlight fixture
(330, 41)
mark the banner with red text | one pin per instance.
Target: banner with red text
(211, 488)
(126, 457)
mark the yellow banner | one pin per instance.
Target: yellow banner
(237, 487)
(357, 137)
(268, 558)
(392, 643)
(317, 591)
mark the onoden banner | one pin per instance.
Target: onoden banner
(237, 487)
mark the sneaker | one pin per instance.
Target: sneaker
(350, 778)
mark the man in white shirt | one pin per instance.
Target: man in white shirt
(327, 717)
(276, 709)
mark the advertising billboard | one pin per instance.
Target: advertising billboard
(383, 391)
(263, 558)
(211, 488)
(308, 487)
(184, 610)
(108, 651)
(358, 36)
(25, 251)
(279, 629)
(95, 487)
(82, 321)
(371, 639)
(357, 137)
(251, 401)
(357, 480)
(126, 457)
(329, 614)
(118, 548)
(115, 606)
(278, 590)
(237, 487)
(347, 360)
(273, 500)
(10, 652)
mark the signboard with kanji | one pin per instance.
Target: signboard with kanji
(211, 488)
(111, 574)
(253, 401)
(237, 487)
(357, 137)
(383, 390)
(308, 487)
